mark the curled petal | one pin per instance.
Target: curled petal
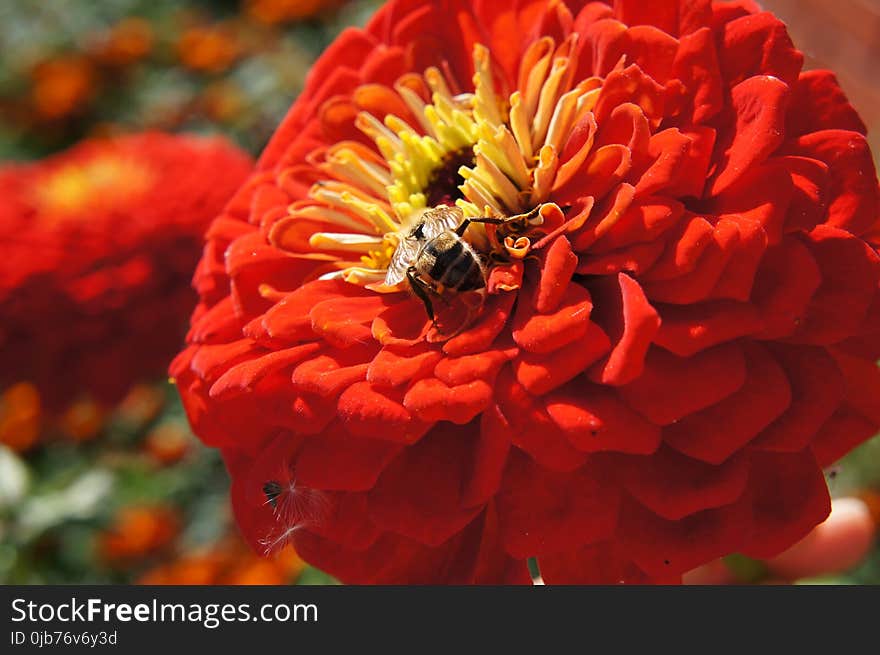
(674, 486)
(367, 411)
(630, 322)
(540, 373)
(673, 387)
(594, 419)
(420, 494)
(789, 498)
(542, 512)
(717, 432)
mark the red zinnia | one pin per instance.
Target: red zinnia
(99, 243)
(677, 330)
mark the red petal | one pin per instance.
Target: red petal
(821, 105)
(696, 64)
(420, 493)
(761, 196)
(717, 432)
(483, 366)
(483, 477)
(366, 411)
(328, 374)
(556, 271)
(663, 548)
(348, 523)
(601, 564)
(635, 259)
(209, 362)
(397, 365)
(630, 321)
(688, 329)
(544, 333)
(532, 430)
(594, 419)
(810, 180)
(543, 512)
(685, 247)
(849, 269)
(243, 377)
(674, 17)
(759, 104)
(289, 319)
(347, 320)
(789, 498)
(673, 486)
(481, 335)
(404, 323)
(853, 195)
(784, 285)
(758, 45)
(431, 400)
(540, 373)
(643, 221)
(845, 430)
(862, 389)
(673, 387)
(336, 460)
(816, 392)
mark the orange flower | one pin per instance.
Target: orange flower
(273, 12)
(230, 563)
(168, 443)
(208, 49)
(138, 533)
(125, 43)
(63, 86)
(141, 405)
(222, 101)
(20, 417)
(82, 420)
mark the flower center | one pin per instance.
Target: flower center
(444, 186)
(487, 154)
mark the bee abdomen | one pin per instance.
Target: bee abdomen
(455, 265)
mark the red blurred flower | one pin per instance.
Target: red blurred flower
(99, 243)
(671, 347)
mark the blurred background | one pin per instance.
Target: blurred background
(126, 494)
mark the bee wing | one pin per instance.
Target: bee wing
(402, 259)
(438, 220)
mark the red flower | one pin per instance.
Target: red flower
(99, 245)
(678, 328)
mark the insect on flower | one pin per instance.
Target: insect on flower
(649, 241)
(435, 256)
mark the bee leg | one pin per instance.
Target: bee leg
(460, 230)
(421, 290)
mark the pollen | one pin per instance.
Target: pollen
(488, 153)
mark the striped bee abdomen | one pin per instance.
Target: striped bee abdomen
(452, 263)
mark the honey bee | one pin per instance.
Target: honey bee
(435, 258)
